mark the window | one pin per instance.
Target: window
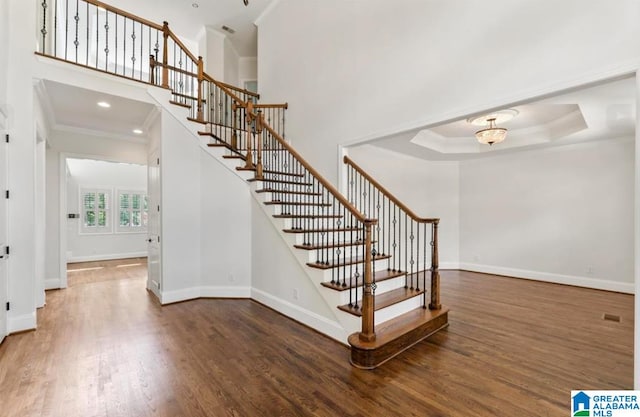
(132, 211)
(95, 209)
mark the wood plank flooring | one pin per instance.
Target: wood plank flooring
(514, 347)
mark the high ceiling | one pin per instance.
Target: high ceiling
(599, 112)
(187, 21)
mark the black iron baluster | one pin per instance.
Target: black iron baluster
(77, 19)
(86, 59)
(133, 50)
(97, 32)
(141, 50)
(124, 46)
(106, 40)
(66, 29)
(55, 28)
(43, 31)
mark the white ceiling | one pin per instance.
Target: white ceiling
(187, 21)
(74, 108)
(599, 112)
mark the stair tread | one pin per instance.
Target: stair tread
(384, 300)
(398, 326)
(329, 245)
(294, 203)
(272, 190)
(345, 262)
(306, 184)
(307, 216)
(379, 276)
(271, 172)
(177, 103)
(234, 157)
(339, 230)
(193, 119)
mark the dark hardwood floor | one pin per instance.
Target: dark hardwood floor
(514, 348)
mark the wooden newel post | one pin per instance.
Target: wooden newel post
(435, 272)
(200, 81)
(259, 127)
(368, 303)
(249, 117)
(165, 54)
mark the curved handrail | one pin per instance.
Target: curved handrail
(391, 197)
(338, 195)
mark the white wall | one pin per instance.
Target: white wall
(361, 69)
(560, 214)
(21, 231)
(98, 147)
(87, 173)
(52, 220)
(205, 219)
(4, 63)
(428, 188)
(231, 64)
(248, 69)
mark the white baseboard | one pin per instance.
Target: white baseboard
(319, 323)
(52, 284)
(107, 257)
(588, 282)
(168, 297)
(21, 323)
(449, 265)
(225, 292)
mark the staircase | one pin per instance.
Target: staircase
(372, 257)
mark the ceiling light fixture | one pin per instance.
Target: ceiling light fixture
(138, 131)
(491, 134)
(104, 104)
(195, 5)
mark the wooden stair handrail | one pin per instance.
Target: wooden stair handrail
(227, 87)
(123, 13)
(391, 197)
(269, 106)
(356, 213)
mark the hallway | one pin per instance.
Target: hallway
(514, 347)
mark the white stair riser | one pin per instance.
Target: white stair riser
(382, 287)
(395, 310)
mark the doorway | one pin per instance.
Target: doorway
(104, 221)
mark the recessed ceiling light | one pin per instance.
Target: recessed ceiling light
(138, 131)
(195, 5)
(104, 104)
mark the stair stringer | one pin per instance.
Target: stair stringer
(343, 324)
(162, 98)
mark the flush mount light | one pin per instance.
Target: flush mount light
(104, 104)
(138, 131)
(492, 134)
(195, 5)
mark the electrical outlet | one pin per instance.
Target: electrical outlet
(476, 258)
(295, 294)
(589, 270)
(231, 278)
